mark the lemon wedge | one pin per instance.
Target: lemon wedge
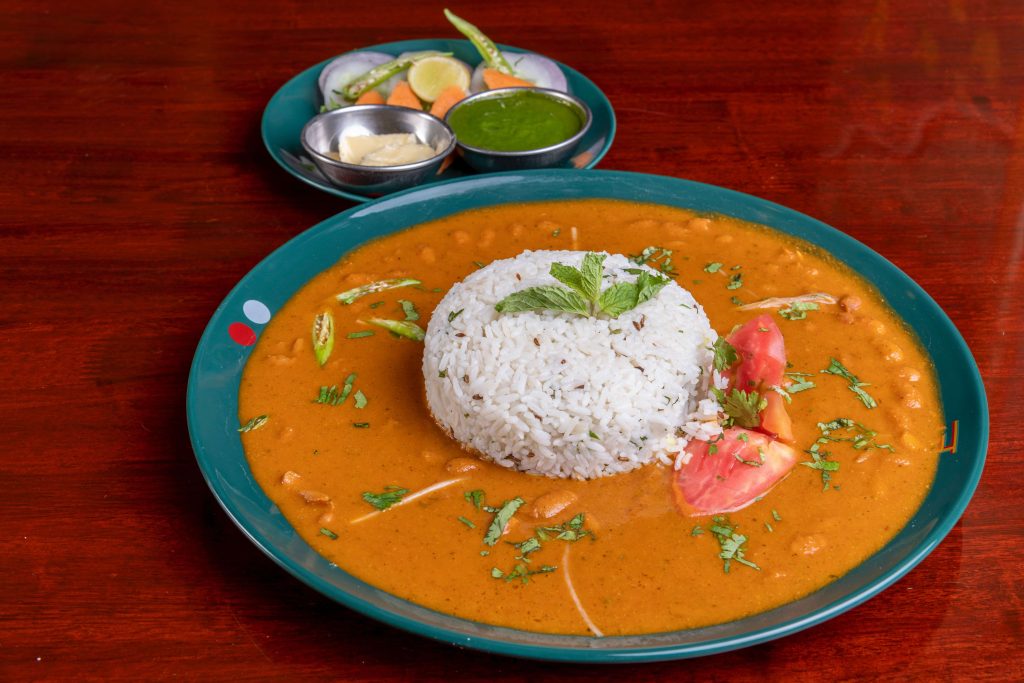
(428, 77)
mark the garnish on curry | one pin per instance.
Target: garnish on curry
(337, 432)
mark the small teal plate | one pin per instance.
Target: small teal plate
(227, 342)
(298, 101)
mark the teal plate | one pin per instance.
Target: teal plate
(227, 342)
(298, 101)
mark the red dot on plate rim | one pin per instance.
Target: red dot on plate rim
(242, 334)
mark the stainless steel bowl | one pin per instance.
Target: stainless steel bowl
(490, 160)
(322, 133)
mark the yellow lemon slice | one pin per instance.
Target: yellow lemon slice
(428, 77)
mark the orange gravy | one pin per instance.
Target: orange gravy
(642, 570)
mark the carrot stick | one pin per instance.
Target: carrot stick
(370, 97)
(402, 96)
(446, 100)
(495, 79)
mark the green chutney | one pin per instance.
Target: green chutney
(517, 121)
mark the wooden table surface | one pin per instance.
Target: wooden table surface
(135, 191)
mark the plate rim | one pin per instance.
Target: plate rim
(629, 653)
(389, 46)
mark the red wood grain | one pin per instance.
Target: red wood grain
(135, 192)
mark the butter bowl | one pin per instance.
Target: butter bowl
(322, 135)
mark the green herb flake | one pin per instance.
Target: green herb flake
(752, 463)
(352, 295)
(501, 519)
(530, 545)
(360, 399)
(798, 310)
(361, 425)
(697, 531)
(359, 335)
(593, 436)
(376, 304)
(657, 257)
(860, 437)
(328, 533)
(768, 527)
(476, 498)
(442, 374)
(402, 328)
(466, 522)
(735, 282)
(323, 337)
(837, 368)
(713, 267)
(571, 531)
(776, 516)
(331, 396)
(521, 572)
(479, 264)
(409, 309)
(730, 543)
(736, 301)
(800, 382)
(254, 424)
(742, 408)
(455, 314)
(725, 354)
(386, 498)
(556, 232)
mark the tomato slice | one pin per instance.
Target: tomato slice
(734, 475)
(762, 364)
(762, 354)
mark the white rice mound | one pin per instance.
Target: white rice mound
(563, 395)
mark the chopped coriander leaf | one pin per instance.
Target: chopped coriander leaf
(697, 531)
(528, 546)
(594, 436)
(712, 449)
(730, 542)
(652, 255)
(741, 407)
(351, 295)
(386, 498)
(466, 522)
(328, 533)
(571, 531)
(837, 368)
(556, 232)
(442, 374)
(735, 301)
(800, 382)
(776, 516)
(479, 264)
(455, 314)
(798, 310)
(409, 309)
(254, 423)
(376, 304)
(725, 354)
(331, 396)
(361, 425)
(359, 335)
(768, 527)
(360, 399)
(521, 572)
(735, 282)
(475, 497)
(743, 437)
(501, 519)
(862, 438)
(713, 267)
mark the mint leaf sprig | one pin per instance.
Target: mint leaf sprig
(584, 296)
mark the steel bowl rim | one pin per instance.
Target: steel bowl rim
(319, 157)
(498, 92)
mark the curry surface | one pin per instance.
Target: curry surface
(643, 571)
